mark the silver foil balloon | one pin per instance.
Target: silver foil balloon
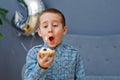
(28, 25)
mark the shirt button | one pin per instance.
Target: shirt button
(66, 67)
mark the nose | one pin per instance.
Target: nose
(50, 30)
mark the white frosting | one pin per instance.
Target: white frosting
(48, 50)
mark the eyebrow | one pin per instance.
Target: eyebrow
(45, 22)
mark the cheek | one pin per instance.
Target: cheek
(59, 33)
(59, 36)
(43, 32)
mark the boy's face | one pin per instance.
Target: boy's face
(51, 27)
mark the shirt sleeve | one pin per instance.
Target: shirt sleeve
(80, 73)
(32, 68)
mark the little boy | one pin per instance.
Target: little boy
(66, 64)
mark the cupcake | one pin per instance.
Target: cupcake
(47, 51)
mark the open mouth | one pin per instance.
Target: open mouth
(51, 38)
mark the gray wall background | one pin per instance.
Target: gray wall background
(83, 17)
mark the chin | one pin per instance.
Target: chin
(52, 46)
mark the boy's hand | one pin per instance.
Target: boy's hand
(43, 61)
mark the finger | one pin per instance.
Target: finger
(40, 59)
(45, 58)
(39, 55)
(49, 62)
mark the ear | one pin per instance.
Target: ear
(39, 31)
(65, 30)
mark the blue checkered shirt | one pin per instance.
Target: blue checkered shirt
(67, 65)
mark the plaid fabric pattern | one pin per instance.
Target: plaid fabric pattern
(67, 65)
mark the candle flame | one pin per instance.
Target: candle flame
(46, 38)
